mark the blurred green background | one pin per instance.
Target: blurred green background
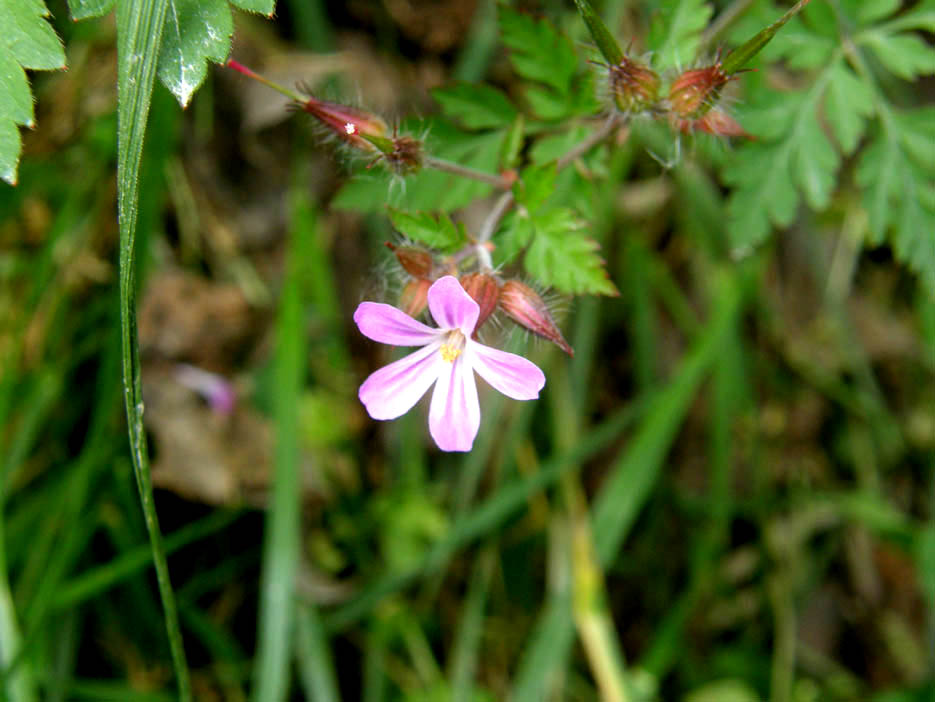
(727, 495)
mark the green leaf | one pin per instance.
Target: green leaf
(848, 104)
(476, 106)
(675, 32)
(562, 256)
(139, 25)
(899, 194)
(739, 57)
(438, 233)
(535, 185)
(26, 41)
(263, 7)
(765, 173)
(83, 9)
(195, 31)
(906, 55)
(537, 51)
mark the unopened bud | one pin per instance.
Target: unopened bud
(414, 296)
(354, 126)
(694, 92)
(716, 122)
(633, 85)
(484, 290)
(415, 262)
(405, 156)
(526, 308)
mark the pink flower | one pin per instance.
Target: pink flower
(448, 358)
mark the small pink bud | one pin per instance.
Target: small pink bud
(484, 290)
(716, 122)
(415, 262)
(633, 85)
(526, 308)
(694, 92)
(414, 296)
(348, 123)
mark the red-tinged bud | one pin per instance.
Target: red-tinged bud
(415, 296)
(354, 126)
(716, 122)
(694, 92)
(526, 308)
(484, 290)
(633, 85)
(415, 262)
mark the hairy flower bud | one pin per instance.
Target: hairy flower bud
(633, 85)
(716, 122)
(415, 262)
(694, 92)
(484, 290)
(414, 296)
(354, 126)
(526, 308)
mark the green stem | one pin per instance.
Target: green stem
(440, 164)
(139, 26)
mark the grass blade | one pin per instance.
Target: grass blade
(281, 547)
(139, 30)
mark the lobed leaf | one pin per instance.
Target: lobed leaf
(899, 194)
(436, 232)
(27, 41)
(675, 33)
(476, 106)
(562, 256)
(905, 55)
(848, 105)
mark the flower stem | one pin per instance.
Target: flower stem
(440, 164)
(577, 151)
(240, 68)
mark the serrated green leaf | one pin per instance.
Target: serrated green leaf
(676, 32)
(27, 41)
(535, 185)
(196, 31)
(563, 257)
(766, 174)
(84, 9)
(263, 7)
(515, 234)
(871, 12)
(906, 55)
(537, 51)
(899, 199)
(436, 232)
(740, 57)
(848, 104)
(476, 106)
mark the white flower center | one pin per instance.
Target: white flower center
(350, 128)
(453, 346)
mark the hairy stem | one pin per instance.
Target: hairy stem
(440, 164)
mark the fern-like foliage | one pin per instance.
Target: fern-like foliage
(848, 55)
(26, 41)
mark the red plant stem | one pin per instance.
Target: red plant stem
(240, 68)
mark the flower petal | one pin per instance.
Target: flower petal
(454, 416)
(512, 375)
(388, 325)
(393, 390)
(451, 307)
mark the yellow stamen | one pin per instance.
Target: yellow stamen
(454, 347)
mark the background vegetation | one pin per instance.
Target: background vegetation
(726, 495)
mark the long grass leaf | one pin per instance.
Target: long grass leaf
(139, 31)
